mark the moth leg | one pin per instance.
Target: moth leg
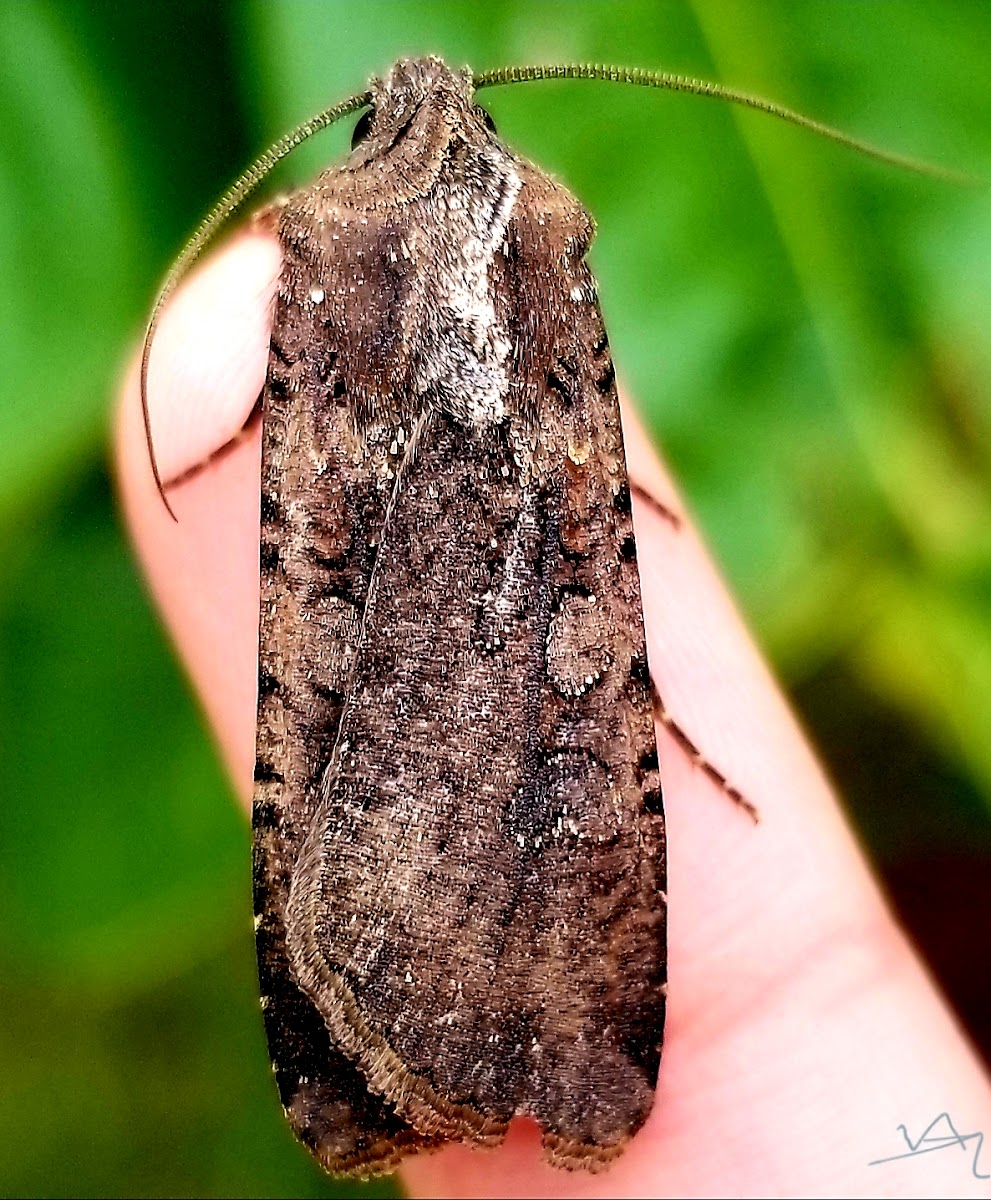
(254, 419)
(697, 757)
(651, 501)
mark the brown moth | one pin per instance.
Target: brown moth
(458, 832)
(459, 854)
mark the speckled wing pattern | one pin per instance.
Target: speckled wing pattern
(459, 840)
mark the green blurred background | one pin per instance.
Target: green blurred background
(808, 335)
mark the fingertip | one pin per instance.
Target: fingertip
(209, 353)
(207, 370)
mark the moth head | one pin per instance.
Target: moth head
(412, 119)
(423, 104)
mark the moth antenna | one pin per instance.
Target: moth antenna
(207, 230)
(250, 425)
(717, 91)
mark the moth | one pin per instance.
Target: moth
(459, 849)
(458, 831)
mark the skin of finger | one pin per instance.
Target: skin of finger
(795, 1005)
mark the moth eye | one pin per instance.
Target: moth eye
(362, 127)
(486, 117)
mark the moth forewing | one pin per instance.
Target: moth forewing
(459, 842)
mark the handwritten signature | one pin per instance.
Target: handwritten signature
(930, 1140)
